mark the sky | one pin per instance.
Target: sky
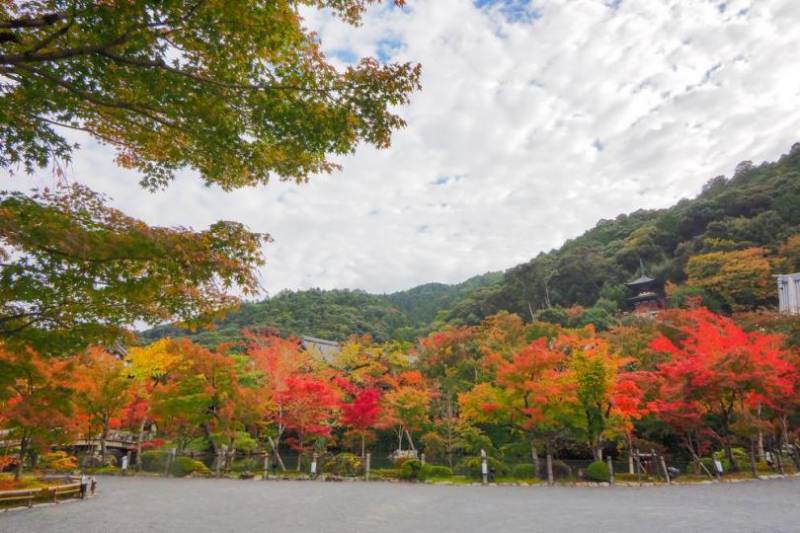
(536, 119)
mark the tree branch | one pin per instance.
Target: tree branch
(48, 19)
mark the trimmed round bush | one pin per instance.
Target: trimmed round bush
(524, 471)
(154, 461)
(183, 466)
(411, 469)
(598, 471)
(343, 464)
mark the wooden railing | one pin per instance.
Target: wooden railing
(10, 498)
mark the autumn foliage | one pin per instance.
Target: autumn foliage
(690, 382)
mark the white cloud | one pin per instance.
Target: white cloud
(526, 133)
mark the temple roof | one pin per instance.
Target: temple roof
(644, 279)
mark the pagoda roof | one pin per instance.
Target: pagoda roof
(644, 279)
(644, 297)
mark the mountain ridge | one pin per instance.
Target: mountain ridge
(759, 206)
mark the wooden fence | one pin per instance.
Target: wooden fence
(12, 498)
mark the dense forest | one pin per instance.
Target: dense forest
(338, 314)
(722, 246)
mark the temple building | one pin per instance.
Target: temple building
(648, 296)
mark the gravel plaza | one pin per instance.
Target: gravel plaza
(128, 505)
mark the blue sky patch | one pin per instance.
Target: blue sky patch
(344, 55)
(387, 48)
(513, 10)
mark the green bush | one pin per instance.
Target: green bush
(471, 466)
(524, 471)
(183, 466)
(437, 471)
(741, 456)
(343, 464)
(411, 469)
(250, 464)
(154, 461)
(598, 471)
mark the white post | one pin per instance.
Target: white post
(367, 465)
(314, 466)
(484, 467)
(610, 470)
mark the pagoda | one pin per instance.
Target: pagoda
(647, 294)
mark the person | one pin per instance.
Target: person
(84, 485)
(94, 485)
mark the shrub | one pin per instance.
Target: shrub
(598, 471)
(59, 461)
(524, 471)
(411, 469)
(183, 466)
(741, 456)
(247, 465)
(437, 471)
(154, 461)
(343, 464)
(471, 466)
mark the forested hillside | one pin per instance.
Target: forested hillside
(723, 245)
(338, 314)
(737, 225)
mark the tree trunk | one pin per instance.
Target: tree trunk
(230, 455)
(363, 446)
(400, 439)
(761, 455)
(103, 438)
(277, 454)
(139, 444)
(630, 452)
(753, 466)
(597, 451)
(550, 478)
(784, 431)
(410, 441)
(700, 464)
(209, 438)
(729, 454)
(779, 461)
(23, 449)
(535, 458)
